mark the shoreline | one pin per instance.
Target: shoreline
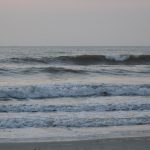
(107, 138)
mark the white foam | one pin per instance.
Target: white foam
(84, 119)
(117, 57)
(72, 90)
(74, 108)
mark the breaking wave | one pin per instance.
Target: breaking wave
(72, 90)
(86, 59)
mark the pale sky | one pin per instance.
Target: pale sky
(75, 22)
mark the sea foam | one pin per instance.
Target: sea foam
(72, 90)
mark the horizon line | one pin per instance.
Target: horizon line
(74, 45)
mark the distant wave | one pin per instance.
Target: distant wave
(34, 70)
(72, 90)
(70, 70)
(86, 59)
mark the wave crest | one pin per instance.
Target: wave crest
(86, 59)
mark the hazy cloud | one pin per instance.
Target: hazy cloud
(75, 22)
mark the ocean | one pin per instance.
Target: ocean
(73, 87)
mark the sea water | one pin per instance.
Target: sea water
(75, 87)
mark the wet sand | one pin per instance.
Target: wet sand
(140, 143)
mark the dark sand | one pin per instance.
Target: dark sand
(102, 144)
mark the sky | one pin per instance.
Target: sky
(75, 22)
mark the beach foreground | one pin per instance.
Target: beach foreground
(140, 143)
(107, 138)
